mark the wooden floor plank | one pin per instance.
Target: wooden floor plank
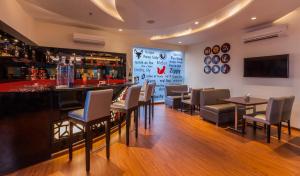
(180, 144)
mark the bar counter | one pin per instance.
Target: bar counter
(33, 120)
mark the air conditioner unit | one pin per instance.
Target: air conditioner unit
(265, 33)
(90, 39)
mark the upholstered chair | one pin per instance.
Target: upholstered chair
(287, 111)
(145, 101)
(96, 110)
(128, 106)
(272, 116)
(194, 101)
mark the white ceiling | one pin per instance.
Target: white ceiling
(167, 14)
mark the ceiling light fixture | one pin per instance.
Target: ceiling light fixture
(179, 42)
(109, 7)
(196, 22)
(120, 30)
(253, 18)
(220, 16)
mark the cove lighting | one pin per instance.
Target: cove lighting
(109, 7)
(215, 19)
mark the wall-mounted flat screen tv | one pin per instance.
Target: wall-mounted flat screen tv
(267, 66)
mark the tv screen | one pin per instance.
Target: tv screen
(267, 66)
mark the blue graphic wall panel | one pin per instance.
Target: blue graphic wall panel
(164, 67)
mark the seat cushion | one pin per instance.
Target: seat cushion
(257, 118)
(187, 101)
(218, 108)
(118, 105)
(77, 114)
(177, 97)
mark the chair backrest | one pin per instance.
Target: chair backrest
(143, 88)
(195, 96)
(170, 88)
(153, 89)
(213, 96)
(132, 97)
(97, 104)
(149, 91)
(274, 110)
(287, 108)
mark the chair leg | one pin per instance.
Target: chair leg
(127, 127)
(71, 141)
(145, 108)
(149, 113)
(181, 106)
(268, 133)
(244, 126)
(136, 123)
(254, 126)
(120, 124)
(279, 130)
(152, 107)
(87, 147)
(289, 126)
(107, 135)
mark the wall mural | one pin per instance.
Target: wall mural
(164, 67)
(216, 59)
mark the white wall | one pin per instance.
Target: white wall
(257, 87)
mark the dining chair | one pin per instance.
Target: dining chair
(287, 111)
(145, 101)
(271, 117)
(129, 105)
(194, 101)
(96, 110)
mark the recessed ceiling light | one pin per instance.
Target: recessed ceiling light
(196, 22)
(120, 30)
(253, 18)
(179, 42)
(15, 40)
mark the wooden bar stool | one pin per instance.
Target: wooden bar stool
(96, 110)
(128, 106)
(145, 100)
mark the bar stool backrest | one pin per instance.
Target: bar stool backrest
(148, 92)
(97, 104)
(132, 97)
(274, 110)
(153, 89)
(287, 108)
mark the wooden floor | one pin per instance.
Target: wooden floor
(180, 144)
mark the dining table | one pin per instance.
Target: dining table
(246, 103)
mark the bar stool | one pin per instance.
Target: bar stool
(128, 106)
(96, 110)
(145, 100)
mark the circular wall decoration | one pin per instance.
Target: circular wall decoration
(225, 58)
(207, 69)
(225, 47)
(215, 69)
(207, 60)
(215, 59)
(207, 51)
(225, 68)
(216, 49)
